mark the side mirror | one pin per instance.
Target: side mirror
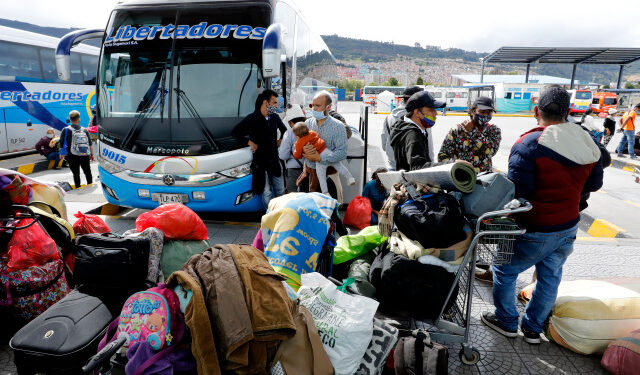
(272, 51)
(63, 50)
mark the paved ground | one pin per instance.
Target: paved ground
(592, 258)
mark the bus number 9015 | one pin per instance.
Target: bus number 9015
(120, 159)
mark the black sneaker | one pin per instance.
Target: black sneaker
(492, 322)
(530, 337)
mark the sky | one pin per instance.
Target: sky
(481, 26)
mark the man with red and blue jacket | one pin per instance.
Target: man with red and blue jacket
(552, 166)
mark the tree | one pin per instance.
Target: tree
(629, 85)
(606, 87)
(419, 81)
(417, 45)
(391, 82)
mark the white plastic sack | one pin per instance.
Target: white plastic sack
(344, 322)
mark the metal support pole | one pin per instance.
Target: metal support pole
(526, 80)
(482, 72)
(573, 75)
(620, 76)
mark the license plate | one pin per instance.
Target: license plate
(170, 198)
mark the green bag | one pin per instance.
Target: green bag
(176, 253)
(352, 246)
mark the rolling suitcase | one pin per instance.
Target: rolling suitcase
(63, 338)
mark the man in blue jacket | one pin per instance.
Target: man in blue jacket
(551, 166)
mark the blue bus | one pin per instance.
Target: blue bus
(32, 98)
(175, 78)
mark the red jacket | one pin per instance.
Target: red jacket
(551, 167)
(312, 138)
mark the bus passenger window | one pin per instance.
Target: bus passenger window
(19, 61)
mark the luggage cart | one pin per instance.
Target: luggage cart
(493, 244)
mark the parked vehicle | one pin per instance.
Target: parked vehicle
(604, 101)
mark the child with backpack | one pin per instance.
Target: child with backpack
(77, 148)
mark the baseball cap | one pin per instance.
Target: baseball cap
(411, 90)
(613, 111)
(423, 99)
(555, 100)
(484, 103)
(294, 111)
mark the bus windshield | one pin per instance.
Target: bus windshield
(176, 73)
(585, 95)
(212, 75)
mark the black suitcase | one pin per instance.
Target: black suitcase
(62, 339)
(107, 261)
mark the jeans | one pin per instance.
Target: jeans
(273, 188)
(628, 137)
(53, 156)
(547, 252)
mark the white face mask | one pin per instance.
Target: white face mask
(49, 135)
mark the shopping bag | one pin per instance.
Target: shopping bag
(358, 213)
(344, 322)
(176, 221)
(351, 246)
(89, 224)
(30, 247)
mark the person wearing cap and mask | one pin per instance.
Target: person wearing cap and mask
(396, 114)
(475, 140)
(551, 166)
(409, 135)
(294, 166)
(628, 122)
(330, 130)
(259, 130)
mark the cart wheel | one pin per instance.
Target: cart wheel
(475, 357)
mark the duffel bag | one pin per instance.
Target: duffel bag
(108, 260)
(434, 220)
(407, 286)
(492, 192)
(418, 355)
(32, 290)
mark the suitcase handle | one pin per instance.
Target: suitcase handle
(105, 353)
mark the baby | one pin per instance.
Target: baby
(305, 136)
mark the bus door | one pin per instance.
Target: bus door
(3, 134)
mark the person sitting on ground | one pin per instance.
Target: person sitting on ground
(377, 194)
(331, 131)
(609, 126)
(294, 115)
(551, 166)
(474, 140)
(409, 136)
(306, 136)
(396, 114)
(49, 147)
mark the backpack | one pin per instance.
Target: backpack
(417, 354)
(79, 144)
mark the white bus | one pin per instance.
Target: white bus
(32, 98)
(176, 77)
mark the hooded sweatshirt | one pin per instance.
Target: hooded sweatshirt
(410, 145)
(552, 167)
(397, 114)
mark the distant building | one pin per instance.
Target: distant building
(465, 79)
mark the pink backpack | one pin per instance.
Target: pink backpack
(153, 316)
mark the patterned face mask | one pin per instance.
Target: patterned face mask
(482, 119)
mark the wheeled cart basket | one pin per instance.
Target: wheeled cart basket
(495, 233)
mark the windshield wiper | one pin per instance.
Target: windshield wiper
(157, 98)
(193, 112)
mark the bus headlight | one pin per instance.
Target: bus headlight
(237, 172)
(108, 166)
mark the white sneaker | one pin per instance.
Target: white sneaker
(351, 181)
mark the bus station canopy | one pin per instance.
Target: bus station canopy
(563, 55)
